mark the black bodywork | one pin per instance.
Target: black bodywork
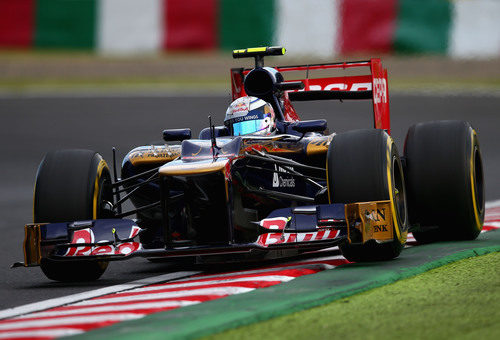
(258, 178)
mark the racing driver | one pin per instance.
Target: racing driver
(250, 115)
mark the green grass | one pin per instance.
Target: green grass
(72, 71)
(459, 301)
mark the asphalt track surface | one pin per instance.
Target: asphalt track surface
(32, 126)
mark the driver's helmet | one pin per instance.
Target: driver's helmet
(250, 115)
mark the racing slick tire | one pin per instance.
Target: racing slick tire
(72, 185)
(362, 166)
(445, 183)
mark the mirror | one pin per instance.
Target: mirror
(172, 135)
(317, 125)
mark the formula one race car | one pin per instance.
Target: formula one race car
(264, 185)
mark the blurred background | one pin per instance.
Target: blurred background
(100, 73)
(119, 45)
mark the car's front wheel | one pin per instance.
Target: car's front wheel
(72, 185)
(363, 166)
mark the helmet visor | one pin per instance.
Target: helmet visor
(249, 126)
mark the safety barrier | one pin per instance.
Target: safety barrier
(459, 28)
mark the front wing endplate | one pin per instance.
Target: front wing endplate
(373, 220)
(31, 246)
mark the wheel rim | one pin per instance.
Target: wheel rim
(104, 195)
(478, 181)
(399, 194)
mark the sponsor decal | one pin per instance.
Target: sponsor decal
(380, 90)
(251, 117)
(342, 87)
(276, 223)
(280, 181)
(281, 238)
(376, 220)
(81, 236)
(378, 217)
(239, 107)
(87, 236)
(196, 153)
(380, 228)
(155, 153)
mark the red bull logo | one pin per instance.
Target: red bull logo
(240, 107)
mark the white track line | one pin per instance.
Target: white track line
(113, 308)
(77, 320)
(175, 294)
(42, 333)
(281, 278)
(492, 204)
(42, 305)
(300, 265)
(319, 259)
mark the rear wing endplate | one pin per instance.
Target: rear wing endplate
(371, 86)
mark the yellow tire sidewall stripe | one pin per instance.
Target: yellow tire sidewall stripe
(401, 236)
(100, 167)
(479, 224)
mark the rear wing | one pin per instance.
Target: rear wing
(371, 86)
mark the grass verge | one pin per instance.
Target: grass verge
(54, 71)
(459, 301)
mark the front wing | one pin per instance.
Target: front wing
(301, 228)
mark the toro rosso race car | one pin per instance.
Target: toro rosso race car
(264, 185)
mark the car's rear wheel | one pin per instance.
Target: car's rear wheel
(362, 166)
(72, 185)
(445, 181)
